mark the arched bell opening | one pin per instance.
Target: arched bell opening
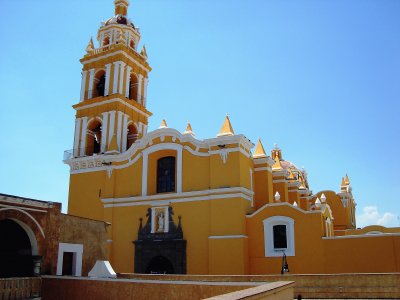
(132, 135)
(133, 87)
(99, 84)
(106, 41)
(17, 248)
(132, 44)
(93, 137)
(160, 265)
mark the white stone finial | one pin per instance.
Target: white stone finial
(317, 203)
(323, 198)
(277, 197)
(276, 146)
(102, 269)
(295, 204)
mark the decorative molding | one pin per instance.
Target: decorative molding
(269, 249)
(27, 214)
(263, 169)
(77, 249)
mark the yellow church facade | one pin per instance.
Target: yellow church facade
(177, 204)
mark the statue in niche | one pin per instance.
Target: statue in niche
(160, 221)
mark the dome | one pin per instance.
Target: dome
(288, 165)
(120, 19)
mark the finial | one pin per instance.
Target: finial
(189, 129)
(259, 152)
(121, 7)
(347, 180)
(276, 146)
(317, 203)
(90, 46)
(226, 128)
(277, 197)
(323, 198)
(295, 204)
(143, 52)
(163, 124)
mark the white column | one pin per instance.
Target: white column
(121, 77)
(128, 80)
(83, 85)
(139, 91)
(146, 81)
(107, 83)
(124, 133)
(119, 130)
(91, 80)
(83, 136)
(111, 127)
(144, 173)
(179, 169)
(116, 71)
(104, 132)
(77, 137)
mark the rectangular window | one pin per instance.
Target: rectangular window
(280, 239)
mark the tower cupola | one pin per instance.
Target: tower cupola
(121, 7)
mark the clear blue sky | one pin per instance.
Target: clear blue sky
(320, 78)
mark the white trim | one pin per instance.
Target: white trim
(116, 72)
(100, 103)
(180, 200)
(119, 129)
(283, 204)
(77, 249)
(91, 80)
(26, 201)
(139, 93)
(263, 169)
(228, 237)
(124, 133)
(121, 77)
(29, 215)
(111, 127)
(269, 249)
(104, 129)
(107, 83)
(83, 85)
(21, 207)
(365, 235)
(77, 137)
(251, 186)
(127, 81)
(145, 83)
(83, 135)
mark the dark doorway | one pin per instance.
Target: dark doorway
(159, 265)
(67, 263)
(166, 174)
(15, 250)
(101, 85)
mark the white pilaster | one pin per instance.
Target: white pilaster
(83, 136)
(124, 133)
(83, 85)
(144, 174)
(111, 128)
(128, 81)
(119, 130)
(139, 93)
(121, 77)
(179, 169)
(107, 83)
(146, 82)
(91, 80)
(77, 137)
(116, 71)
(104, 132)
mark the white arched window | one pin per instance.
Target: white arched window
(279, 236)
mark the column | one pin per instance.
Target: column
(83, 85)
(121, 77)
(124, 133)
(179, 170)
(104, 132)
(119, 130)
(144, 173)
(91, 80)
(116, 71)
(139, 91)
(107, 83)
(75, 151)
(83, 136)
(111, 127)
(146, 81)
(128, 80)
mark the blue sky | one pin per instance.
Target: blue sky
(319, 78)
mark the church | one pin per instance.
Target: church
(179, 205)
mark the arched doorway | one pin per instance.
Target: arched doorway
(132, 135)
(99, 84)
(93, 137)
(15, 250)
(159, 265)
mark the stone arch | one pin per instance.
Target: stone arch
(94, 133)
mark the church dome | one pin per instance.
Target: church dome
(120, 19)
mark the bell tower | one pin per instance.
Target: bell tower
(111, 114)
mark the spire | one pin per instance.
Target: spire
(323, 198)
(277, 197)
(189, 129)
(163, 124)
(276, 152)
(317, 203)
(143, 52)
(343, 182)
(121, 7)
(347, 180)
(226, 128)
(259, 152)
(90, 45)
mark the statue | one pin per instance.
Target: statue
(160, 221)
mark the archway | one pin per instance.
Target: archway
(133, 87)
(131, 136)
(99, 83)
(159, 265)
(15, 250)
(93, 137)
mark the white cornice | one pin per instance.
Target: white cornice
(264, 160)
(282, 204)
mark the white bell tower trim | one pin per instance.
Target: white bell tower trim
(83, 85)
(107, 83)
(91, 80)
(104, 132)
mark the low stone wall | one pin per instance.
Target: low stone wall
(325, 286)
(62, 287)
(20, 288)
